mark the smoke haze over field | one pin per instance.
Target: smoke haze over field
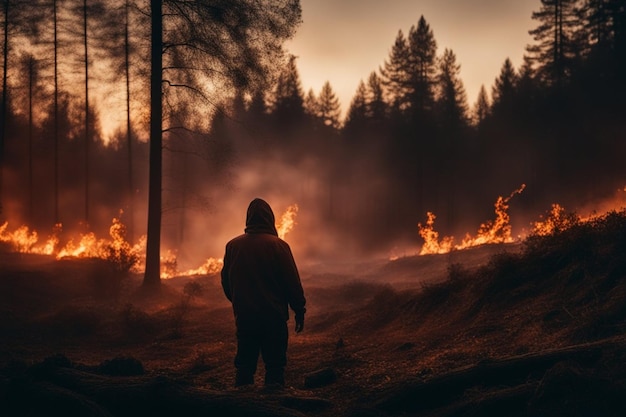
(345, 211)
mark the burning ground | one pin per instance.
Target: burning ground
(531, 328)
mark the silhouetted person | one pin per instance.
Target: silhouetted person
(261, 280)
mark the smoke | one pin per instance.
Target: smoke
(352, 200)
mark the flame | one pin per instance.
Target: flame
(21, 240)
(210, 266)
(431, 237)
(496, 231)
(287, 221)
(116, 248)
(25, 241)
(557, 220)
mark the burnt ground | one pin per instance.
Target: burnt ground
(533, 329)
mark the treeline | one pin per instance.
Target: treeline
(410, 141)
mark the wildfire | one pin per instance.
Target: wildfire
(116, 248)
(25, 241)
(496, 231)
(287, 221)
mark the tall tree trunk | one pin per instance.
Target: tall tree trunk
(57, 220)
(31, 77)
(86, 162)
(3, 104)
(131, 186)
(152, 277)
(183, 202)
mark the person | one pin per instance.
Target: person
(260, 278)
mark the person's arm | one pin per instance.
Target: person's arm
(225, 277)
(295, 292)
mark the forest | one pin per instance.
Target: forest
(74, 129)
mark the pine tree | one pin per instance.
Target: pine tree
(451, 97)
(599, 21)
(504, 89)
(556, 51)
(423, 67)
(481, 108)
(356, 117)
(288, 99)
(329, 109)
(395, 74)
(310, 104)
(376, 106)
(525, 94)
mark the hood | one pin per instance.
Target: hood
(260, 218)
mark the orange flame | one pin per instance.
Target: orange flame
(25, 241)
(496, 231)
(287, 221)
(556, 221)
(431, 237)
(117, 249)
(210, 266)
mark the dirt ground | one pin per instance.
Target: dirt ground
(381, 338)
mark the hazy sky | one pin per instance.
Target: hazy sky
(343, 41)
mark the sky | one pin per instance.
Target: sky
(343, 41)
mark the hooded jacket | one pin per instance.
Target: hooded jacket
(259, 275)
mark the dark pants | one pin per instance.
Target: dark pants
(265, 336)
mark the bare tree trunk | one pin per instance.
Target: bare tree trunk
(3, 109)
(131, 186)
(152, 277)
(57, 220)
(183, 202)
(31, 77)
(86, 112)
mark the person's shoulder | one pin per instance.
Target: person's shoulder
(236, 239)
(281, 243)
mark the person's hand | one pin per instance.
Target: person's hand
(299, 322)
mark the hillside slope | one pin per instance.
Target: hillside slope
(537, 329)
